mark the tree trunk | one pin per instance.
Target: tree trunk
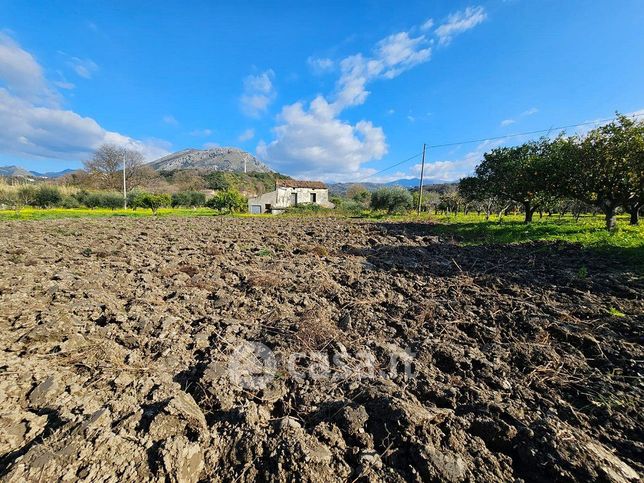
(635, 215)
(529, 211)
(611, 219)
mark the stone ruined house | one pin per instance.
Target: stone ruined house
(290, 192)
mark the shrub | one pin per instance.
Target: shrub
(229, 200)
(92, 200)
(111, 200)
(154, 201)
(9, 199)
(188, 198)
(47, 196)
(69, 202)
(102, 200)
(26, 195)
(81, 196)
(134, 199)
(392, 200)
(351, 207)
(358, 193)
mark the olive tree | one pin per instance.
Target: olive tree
(395, 199)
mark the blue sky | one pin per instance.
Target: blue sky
(331, 90)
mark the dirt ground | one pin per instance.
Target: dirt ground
(315, 350)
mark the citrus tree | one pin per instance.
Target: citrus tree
(605, 168)
(520, 173)
(229, 200)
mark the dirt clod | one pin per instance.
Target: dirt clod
(234, 349)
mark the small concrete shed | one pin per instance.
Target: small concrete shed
(290, 192)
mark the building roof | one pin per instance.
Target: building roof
(296, 183)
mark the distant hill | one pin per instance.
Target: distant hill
(14, 171)
(214, 159)
(340, 189)
(53, 174)
(18, 172)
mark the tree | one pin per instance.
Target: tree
(47, 196)
(190, 199)
(605, 168)
(154, 201)
(188, 180)
(219, 181)
(395, 199)
(229, 200)
(358, 193)
(106, 166)
(474, 191)
(521, 174)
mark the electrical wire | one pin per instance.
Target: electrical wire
(494, 138)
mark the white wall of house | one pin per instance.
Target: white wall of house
(283, 198)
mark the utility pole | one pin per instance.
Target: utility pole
(124, 188)
(422, 174)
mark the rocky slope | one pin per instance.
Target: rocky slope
(214, 159)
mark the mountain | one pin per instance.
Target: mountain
(18, 172)
(214, 159)
(53, 174)
(408, 183)
(14, 171)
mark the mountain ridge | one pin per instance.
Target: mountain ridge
(215, 159)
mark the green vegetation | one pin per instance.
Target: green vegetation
(247, 182)
(230, 200)
(190, 199)
(62, 213)
(625, 243)
(391, 200)
(603, 169)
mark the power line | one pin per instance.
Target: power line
(526, 133)
(495, 138)
(392, 166)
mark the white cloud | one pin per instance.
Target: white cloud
(30, 131)
(314, 143)
(246, 135)
(85, 68)
(201, 132)
(320, 65)
(170, 119)
(22, 75)
(33, 124)
(453, 170)
(392, 56)
(427, 25)
(258, 93)
(459, 22)
(63, 84)
(529, 112)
